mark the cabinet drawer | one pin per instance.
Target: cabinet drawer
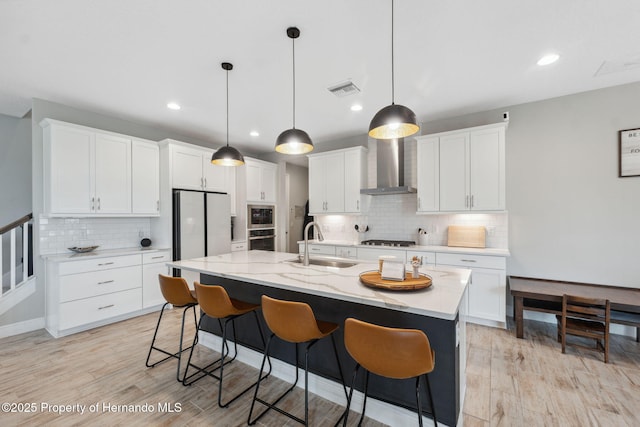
(472, 261)
(426, 258)
(96, 264)
(88, 310)
(319, 249)
(153, 257)
(238, 246)
(84, 285)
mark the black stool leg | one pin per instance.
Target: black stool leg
(345, 415)
(153, 341)
(335, 352)
(418, 403)
(433, 407)
(366, 389)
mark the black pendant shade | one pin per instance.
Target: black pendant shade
(227, 156)
(393, 121)
(294, 141)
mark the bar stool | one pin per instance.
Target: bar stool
(216, 304)
(293, 322)
(176, 292)
(389, 352)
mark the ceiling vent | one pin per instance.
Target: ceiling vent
(344, 89)
(618, 65)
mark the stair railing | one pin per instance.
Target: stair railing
(21, 228)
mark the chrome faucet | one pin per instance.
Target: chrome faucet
(305, 260)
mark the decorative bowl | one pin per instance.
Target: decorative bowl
(80, 250)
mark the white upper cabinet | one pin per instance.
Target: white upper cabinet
(145, 177)
(191, 169)
(462, 170)
(335, 180)
(428, 174)
(261, 181)
(87, 172)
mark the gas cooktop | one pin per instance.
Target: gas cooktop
(388, 242)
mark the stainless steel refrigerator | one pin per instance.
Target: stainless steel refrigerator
(201, 225)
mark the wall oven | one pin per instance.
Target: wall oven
(261, 216)
(263, 239)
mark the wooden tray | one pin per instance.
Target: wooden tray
(373, 279)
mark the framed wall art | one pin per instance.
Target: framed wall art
(629, 152)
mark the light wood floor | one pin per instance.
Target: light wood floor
(510, 382)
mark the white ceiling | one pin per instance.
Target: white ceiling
(129, 58)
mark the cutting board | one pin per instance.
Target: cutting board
(466, 236)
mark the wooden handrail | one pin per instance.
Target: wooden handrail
(16, 223)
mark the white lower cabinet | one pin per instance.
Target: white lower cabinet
(239, 246)
(487, 290)
(318, 249)
(92, 291)
(346, 252)
(153, 263)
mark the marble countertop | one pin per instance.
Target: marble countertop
(72, 256)
(441, 300)
(430, 248)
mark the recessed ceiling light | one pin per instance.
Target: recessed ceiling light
(173, 106)
(356, 107)
(548, 59)
(254, 133)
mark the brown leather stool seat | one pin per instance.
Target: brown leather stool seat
(293, 322)
(216, 304)
(177, 293)
(389, 352)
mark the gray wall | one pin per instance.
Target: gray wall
(570, 216)
(15, 168)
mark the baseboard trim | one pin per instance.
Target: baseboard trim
(380, 411)
(21, 327)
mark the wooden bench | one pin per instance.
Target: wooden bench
(546, 296)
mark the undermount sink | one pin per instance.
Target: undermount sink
(325, 262)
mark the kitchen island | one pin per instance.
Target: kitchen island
(335, 294)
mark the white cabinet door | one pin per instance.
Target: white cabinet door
(254, 186)
(317, 184)
(371, 254)
(187, 169)
(487, 294)
(154, 264)
(454, 167)
(269, 180)
(69, 164)
(261, 181)
(145, 177)
(487, 169)
(334, 182)
(355, 169)
(428, 175)
(113, 174)
(215, 176)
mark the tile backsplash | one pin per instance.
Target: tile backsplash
(58, 234)
(393, 217)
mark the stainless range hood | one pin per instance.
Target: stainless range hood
(390, 169)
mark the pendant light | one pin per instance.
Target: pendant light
(227, 156)
(395, 120)
(294, 141)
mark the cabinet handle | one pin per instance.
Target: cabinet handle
(106, 306)
(98, 203)
(105, 263)
(157, 257)
(105, 282)
(93, 203)
(471, 201)
(468, 260)
(158, 205)
(357, 205)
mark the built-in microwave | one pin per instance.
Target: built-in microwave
(261, 216)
